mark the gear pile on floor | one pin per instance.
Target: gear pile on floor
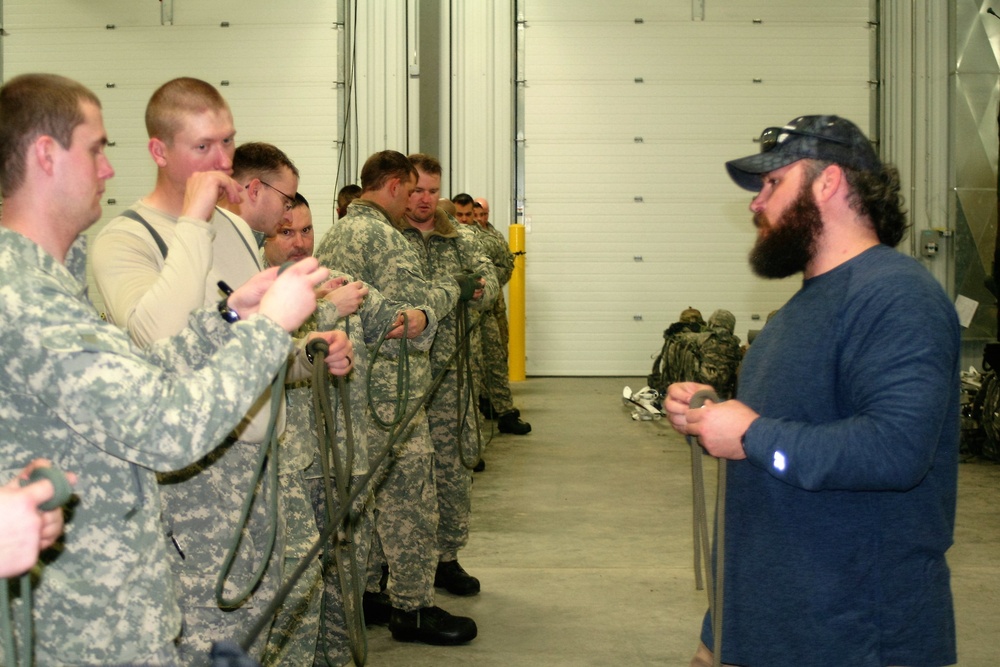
(645, 403)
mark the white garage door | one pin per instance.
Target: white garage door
(275, 63)
(630, 111)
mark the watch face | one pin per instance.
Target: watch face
(227, 313)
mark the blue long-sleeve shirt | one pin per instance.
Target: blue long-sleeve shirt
(838, 521)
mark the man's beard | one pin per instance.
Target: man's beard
(414, 217)
(788, 245)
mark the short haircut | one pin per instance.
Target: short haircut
(300, 200)
(426, 163)
(463, 199)
(176, 99)
(347, 194)
(259, 160)
(384, 166)
(35, 105)
(447, 205)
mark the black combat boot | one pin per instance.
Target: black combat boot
(431, 625)
(454, 579)
(486, 408)
(510, 422)
(377, 608)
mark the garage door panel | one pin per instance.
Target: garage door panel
(660, 53)
(621, 11)
(130, 13)
(630, 215)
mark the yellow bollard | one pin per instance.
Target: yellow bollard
(515, 306)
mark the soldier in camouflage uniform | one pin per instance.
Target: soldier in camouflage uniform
(347, 194)
(678, 360)
(77, 391)
(365, 245)
(497, 401)
(446, 249)
(721, 354)
(362, 313)
(150, 293)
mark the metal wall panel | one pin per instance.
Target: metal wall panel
(277, 67)
(975, 105)
(379, 97)
(630, 216)
(481, 103)
(791, 11)
(130, 13)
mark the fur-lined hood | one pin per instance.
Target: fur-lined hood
(444, 225)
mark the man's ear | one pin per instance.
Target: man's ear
(43, 151)
(253, 189)
(393, 186)
(158, 149)
(828, 183)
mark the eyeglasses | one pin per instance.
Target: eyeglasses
(289, 201)
(775, 136)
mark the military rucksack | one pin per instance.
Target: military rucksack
(720, 355)
(679, 359)
(690, 354)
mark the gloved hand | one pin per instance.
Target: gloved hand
(469, 283)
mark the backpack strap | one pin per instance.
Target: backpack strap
(132, 215)
(254, 255)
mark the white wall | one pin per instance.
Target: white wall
(275, 63)
(631, 109)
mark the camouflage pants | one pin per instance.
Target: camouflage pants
(493, 361)
(334, 644)
(166, 656)
(296, 623)
(202, 506)
(406, 518)
(500, 312)
(450, 431)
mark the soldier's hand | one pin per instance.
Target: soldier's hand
(340, 356)
(480, 290)
(329, 286)
(290, 298)
(27, 529)
(347, 298)
(245, 299)
(468, 284)
(416, 322)
(203, 191)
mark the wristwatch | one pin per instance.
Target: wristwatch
(227, 313)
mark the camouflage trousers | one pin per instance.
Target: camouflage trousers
(406, 517)
(450, 431)
(494, 376)
(296, 622)
(202, 505)
(333, 648)
(166, 656)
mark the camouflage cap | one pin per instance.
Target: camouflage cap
(828, 138)
(723, 318)
(690, 314)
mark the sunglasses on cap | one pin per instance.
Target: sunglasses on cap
(772, 137)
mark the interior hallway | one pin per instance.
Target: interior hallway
(582, 540)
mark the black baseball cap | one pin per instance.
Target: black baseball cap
(827, 138)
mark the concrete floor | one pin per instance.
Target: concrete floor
(582, 540)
